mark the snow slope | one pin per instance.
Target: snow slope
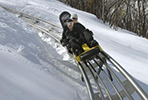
(21, 79)
(30, 68)
(36, 71)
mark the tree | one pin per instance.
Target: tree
(127, 14)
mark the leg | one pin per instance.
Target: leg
(76, 48)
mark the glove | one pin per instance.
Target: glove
(64, 42)
(61, 41)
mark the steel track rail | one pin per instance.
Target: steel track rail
(87, 82)
(21, 14)
(106, 77)
(103, 84)
(44, 30)
(120, 83)
(116, 77)
(98, 86)
(31, 20)
(137, 87)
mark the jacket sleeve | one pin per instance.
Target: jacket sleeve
(63, 39)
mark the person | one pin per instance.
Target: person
(72, 37)
(74, 17)
(89, 40)
(88, 35)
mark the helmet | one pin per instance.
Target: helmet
(74, 16)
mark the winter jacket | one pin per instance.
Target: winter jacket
(76, 34)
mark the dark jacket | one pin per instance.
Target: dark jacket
(76, 34)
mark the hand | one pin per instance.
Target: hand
(62, 42)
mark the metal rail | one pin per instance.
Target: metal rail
(140, 91)
(107, 78)
(87, 82)
(88, 69)
(21, 14)
(98, 86)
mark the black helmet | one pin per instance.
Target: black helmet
(69, 20)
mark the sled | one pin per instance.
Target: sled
(88, 53)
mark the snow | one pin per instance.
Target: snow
(21, 79)
(35, 68)
(29, 67)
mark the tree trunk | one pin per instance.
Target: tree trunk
(138, 17)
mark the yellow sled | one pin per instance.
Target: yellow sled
(88, 52)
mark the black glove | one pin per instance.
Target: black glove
(61, 41)
(64, 42)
